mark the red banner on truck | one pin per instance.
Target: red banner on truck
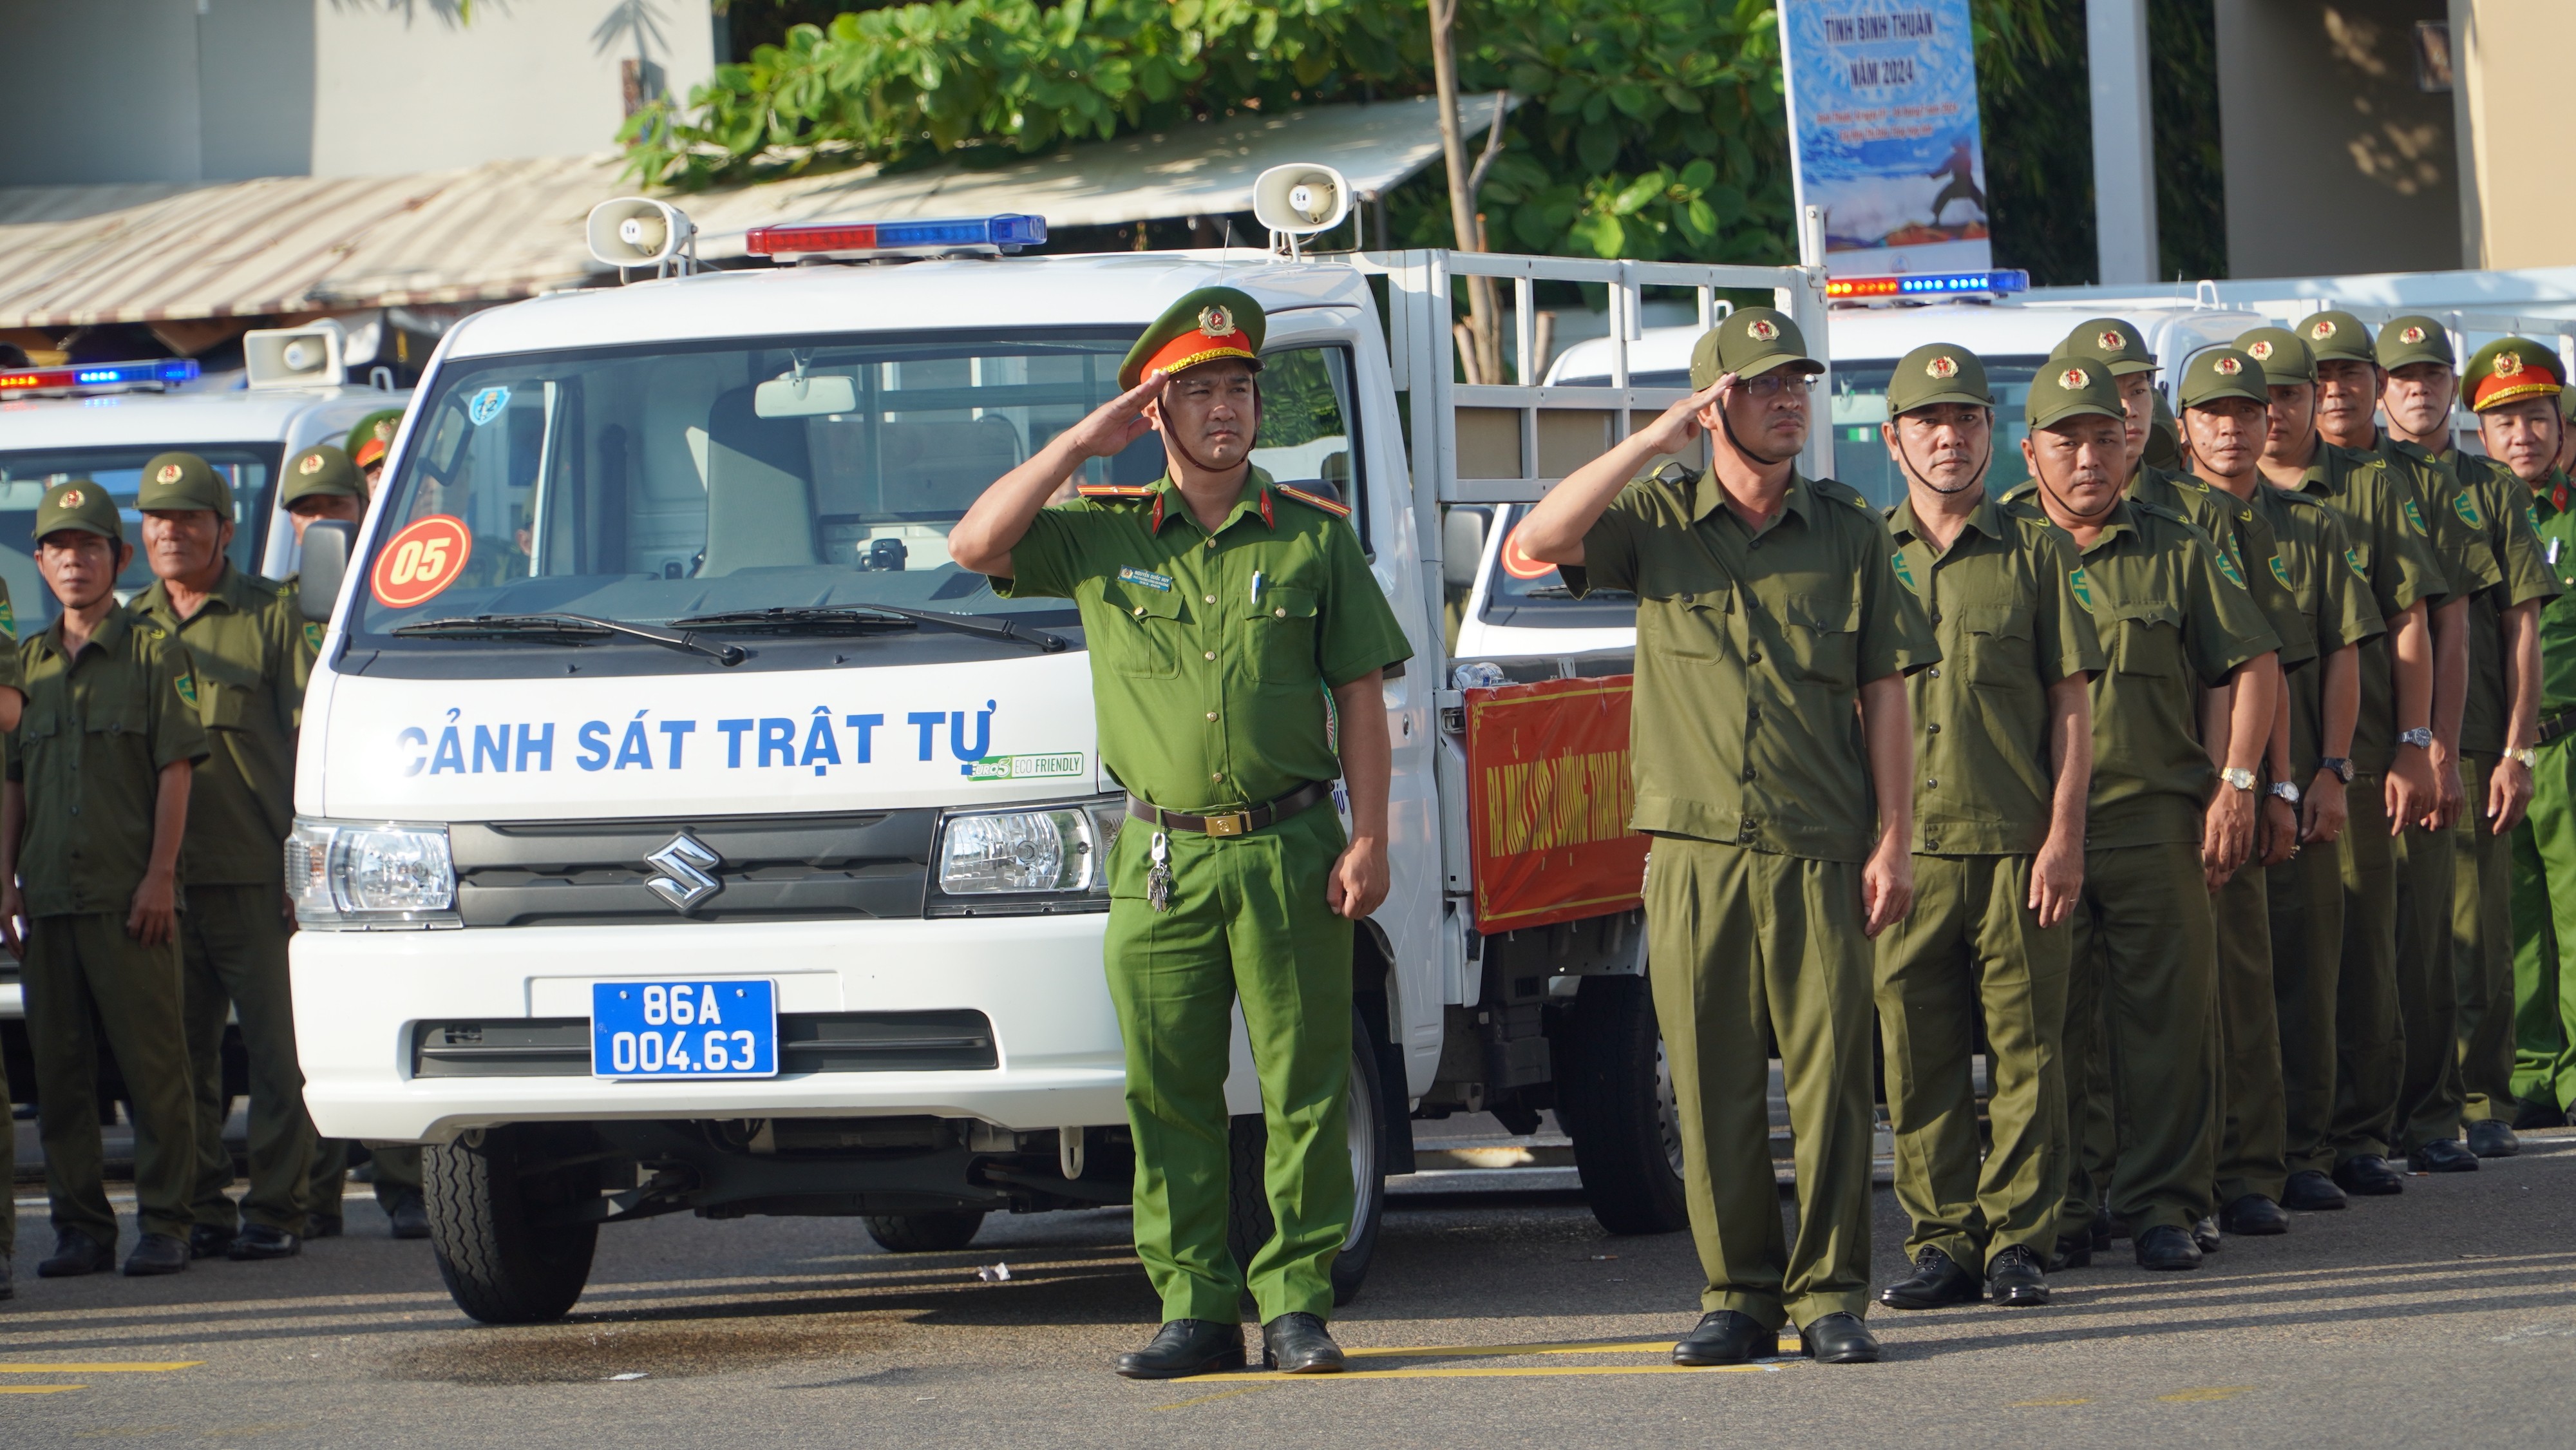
(1548, 800)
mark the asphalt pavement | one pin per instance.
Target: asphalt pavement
(1496, 1318)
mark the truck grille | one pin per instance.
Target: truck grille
(956, 1041)
(770, 868)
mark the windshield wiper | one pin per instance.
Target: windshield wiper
(565, 625)
(813, 616)
(1559, 591)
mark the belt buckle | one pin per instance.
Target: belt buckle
(1232, 823)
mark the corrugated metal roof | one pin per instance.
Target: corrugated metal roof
(72, 256)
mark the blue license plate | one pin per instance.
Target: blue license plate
(721, 1028)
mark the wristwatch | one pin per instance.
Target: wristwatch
(2239, 778)
(2286, 791)
(2419, 737)
(2341, 765)
(2522, 755)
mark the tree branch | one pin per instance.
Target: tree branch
(1493, 148)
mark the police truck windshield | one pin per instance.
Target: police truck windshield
(25, 475)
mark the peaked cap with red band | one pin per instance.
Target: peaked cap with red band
(2512, 368)
(1204, 326)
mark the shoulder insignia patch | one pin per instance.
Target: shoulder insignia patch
(2467, 507)
(1904, 571)
(2353, 557)
(2415, 516)
(9, 617)
(2227, 566)
(2082, 586)
(313, 636)
(2281, 572)
(1313, 500)
(188, 690)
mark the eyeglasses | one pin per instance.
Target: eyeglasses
(1772, 385)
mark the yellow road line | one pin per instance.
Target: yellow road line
(125, 1367)
(38, 1389)
(1466, 1372)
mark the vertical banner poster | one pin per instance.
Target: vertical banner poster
(1883, 133)
(1548, 800)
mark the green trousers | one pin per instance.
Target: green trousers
(395, 1168)
(1739, 942)
(2369, 1051)
(2482, 952)
(2139, 1001)
(2252, 1113)
(1248, 923)
(232, 942)
(2308, 963)
(1973, 949)
(2544, 917)
(85, 977)
(2428, 1004)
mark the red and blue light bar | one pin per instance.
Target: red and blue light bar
(1006, 233)
(1928, 284)
(158, 371)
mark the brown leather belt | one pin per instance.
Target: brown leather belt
(1234, 823)
(2562, 723)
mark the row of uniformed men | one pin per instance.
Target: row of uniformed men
(150, 788)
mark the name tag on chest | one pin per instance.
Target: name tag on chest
(1146, 577)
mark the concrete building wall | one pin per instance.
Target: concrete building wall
(2335, 160)
(100, 91)
(2512, 96)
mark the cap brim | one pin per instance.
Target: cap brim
(2129, 367)
(82, 526)
(1772, 363)
(2232, 390)
(1916, 405)
(2078, 410)
(2516, 394)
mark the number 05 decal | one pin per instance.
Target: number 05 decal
(416, 565)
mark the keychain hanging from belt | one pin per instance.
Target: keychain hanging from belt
(1158, 877)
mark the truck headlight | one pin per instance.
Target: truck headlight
(1025, 860)
(356, 876)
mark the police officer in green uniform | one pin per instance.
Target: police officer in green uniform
(10, 702)
(2163, 827)
(368, 443)
(1224, 613)
(1769, 612)
(2004, 752)
(245, 647)
(96, 809)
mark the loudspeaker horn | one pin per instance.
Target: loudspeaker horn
(637, 231)
(1301, 198)
(311, 356)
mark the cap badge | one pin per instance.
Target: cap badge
(2411, 336)
(169, 474)
(2507, 364)
(2110, 341)
(1761, 329)
(2323, 329)
(1942, 367)
(2071, 379)
(2260, 351)
(311, 465)
(71, 499)
(2227, 367)
(384, 430)
(1216, 322)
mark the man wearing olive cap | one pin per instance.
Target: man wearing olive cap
(90, 835)
(2004, 752)
(248, 654)
(1220, 610)
(368, 443)
(2155, 835)
(1771, 610)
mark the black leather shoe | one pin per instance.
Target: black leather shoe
(2368, 1177)
(2443, 1155)
(2071, 1254)
(259, 1241)
(1297, 1344)
(2204, 1232)
(2167, 1247)
(2312, 1192)
(410, 1216)
(1183, 1348)
(8, 1290)
(2490, 1138)
(205, 1241)
(1726, 1337)
(2015, 1279)
(75, 1254)
(2254, 1214)
(1839, 1339)
(2538, 1113)
(156, 1254)
(1937, 1280)
(322, 1225)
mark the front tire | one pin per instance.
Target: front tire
(1616, 1097)
(1248, 1221)
(925, 1233)
(501, 1265)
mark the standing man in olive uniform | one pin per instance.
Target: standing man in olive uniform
(2163, 824)
(323, 483)
(95, 810)
(1774, 758)
(11, 701)
(1221, 610)
(2004, 752)
(246, 651)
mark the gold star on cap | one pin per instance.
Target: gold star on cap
(1216, 322)
(1942, 367)
(2071, 379)
(1761, 330)
(169, 473)
(2260, 350)
(2227, 367)
(2411, 336)
(2323, 328)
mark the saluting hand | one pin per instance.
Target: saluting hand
(1678, 426)
(1120, 421)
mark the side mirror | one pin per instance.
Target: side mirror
(1462, 547)
(327, 543)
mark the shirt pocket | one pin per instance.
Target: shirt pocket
(2150, 642)
(1997, 641)
(1279, 636)
(1144, 635)
(1688, 626)
(1823, 635)
(222, 706)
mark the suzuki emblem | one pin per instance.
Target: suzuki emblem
(685, 864)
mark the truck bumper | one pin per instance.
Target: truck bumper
(359, 995)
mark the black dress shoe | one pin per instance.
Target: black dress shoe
(1937, 1280)
(75, 1254)
(2368, 1177)
(156, 1254)
(2015, 1278)
(1726, 1337)
(410, 1216)
(1839, 1339)
(2490, 1138)
(1297, 1344)
(1183, 1348)
(2204, 1232)
(2255, 1214)
(2071, 1254)
(260, 1241)
(2443, 1155)
(7, 1290)
(2312, 1192)
(322, 1225)
(2538, 1113)
(205, 1241)
(2167, 1247)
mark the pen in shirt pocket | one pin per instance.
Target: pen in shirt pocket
(1256, 588)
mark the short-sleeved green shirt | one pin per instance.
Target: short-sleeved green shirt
(2316, 565)
(2010, 624)
(2392, 547)
(2553, 515)
(1211, 653)
(2485, 498)
(89, 750)
(245, 646)
(2245, 550)
(2169, 619)
(1752, 646)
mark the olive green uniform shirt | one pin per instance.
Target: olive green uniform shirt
(244, 645)
(1210, 653)
(2005, 612)
(2315, 563)
(2392, 548)
(1752, 645)
(2485, 498)
(2553, 516)
(89, 750)
(2246, 549)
